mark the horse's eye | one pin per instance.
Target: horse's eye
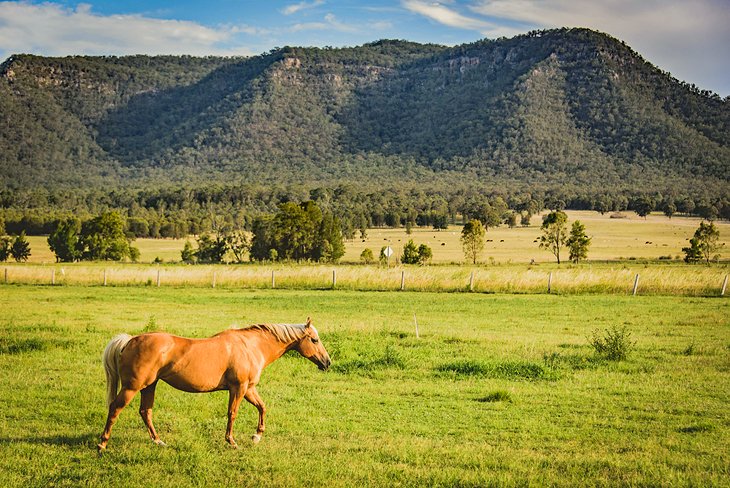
(315, 340)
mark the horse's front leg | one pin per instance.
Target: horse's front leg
(252, 396)
(234, 400)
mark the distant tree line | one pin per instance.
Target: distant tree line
(176, 213)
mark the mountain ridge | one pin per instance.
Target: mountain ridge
(547, 107)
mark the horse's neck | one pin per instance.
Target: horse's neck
(271, 347)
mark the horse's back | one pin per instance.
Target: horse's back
(186, 364)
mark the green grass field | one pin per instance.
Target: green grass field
(499, 390)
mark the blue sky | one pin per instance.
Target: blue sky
(689, 38)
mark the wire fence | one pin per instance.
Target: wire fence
(647, 280)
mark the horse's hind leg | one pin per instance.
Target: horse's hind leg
(122, 400)
(145, 410)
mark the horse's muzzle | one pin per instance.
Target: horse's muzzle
(324, 364)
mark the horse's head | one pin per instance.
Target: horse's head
(312, 348)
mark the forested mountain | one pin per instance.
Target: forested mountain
(544, 110)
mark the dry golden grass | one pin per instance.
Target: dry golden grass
(613, 239)
(612, 278)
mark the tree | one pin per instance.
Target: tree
(425, 254)
(187, 255)
(578, 242)
(20, 249)
(704, 245)
(440, 221)
(64, 240)
(299, 232)
(366, 256)
(262, 241)
(103, 238)
(294, 229)
(473, 240)
(525, 219)
(643, 206)
(554, 230)
(6, 243)
(329, 242)
(238, 243)
(211, 249)
(670, 209)
(410, 253)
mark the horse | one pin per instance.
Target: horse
(230, 360)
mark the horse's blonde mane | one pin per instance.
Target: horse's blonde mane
(283, 332)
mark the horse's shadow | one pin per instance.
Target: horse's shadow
(80, 440)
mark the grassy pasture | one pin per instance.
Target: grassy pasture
(613, 239)
(498, 390)
(622, 248)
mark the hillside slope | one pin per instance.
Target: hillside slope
(544, 108)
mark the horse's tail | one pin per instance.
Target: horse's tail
(110, 359)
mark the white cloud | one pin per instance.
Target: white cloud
(439, 12)
(50, 29)
(689, 39)
(330, 23)
(296, 7)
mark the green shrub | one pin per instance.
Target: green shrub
(614, 345)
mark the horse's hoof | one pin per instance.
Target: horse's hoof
(256, 438)
(160, 443)
(100, 448)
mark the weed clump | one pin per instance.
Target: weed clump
(496, 396)
(614, 345)
(509, 370)
(19, 346)
(390, 359)
(697, 428)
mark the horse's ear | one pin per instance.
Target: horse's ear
(309, 322)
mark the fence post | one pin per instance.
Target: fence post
(273, 279)
(104, 277)
(53, 276)
(402, 280)
(550, 281)
(334, 278)
(471, 282)
(158, 277)
(415, 321)
(213, 279)
(6, 276)
(636, 284)
(722, 292)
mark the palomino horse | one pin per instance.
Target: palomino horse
(231, 360)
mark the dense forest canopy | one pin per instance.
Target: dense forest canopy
(567, 116)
